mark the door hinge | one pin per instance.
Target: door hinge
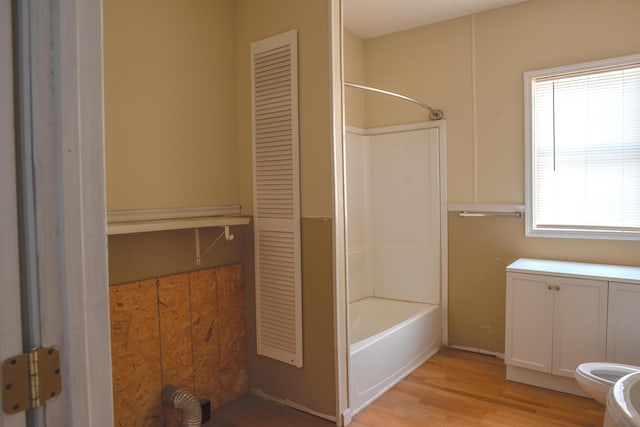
(30, 379)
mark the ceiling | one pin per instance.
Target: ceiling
(373, 18)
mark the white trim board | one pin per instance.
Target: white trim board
(340, 296)
(480, 207)
(440, 124)
(175, 224)
(10, 308)
(131, 215)
(85, 291)
(261, 394)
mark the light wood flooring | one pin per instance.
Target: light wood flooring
(453, 388)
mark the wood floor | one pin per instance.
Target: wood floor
(453, 388)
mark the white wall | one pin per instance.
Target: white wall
(393, 217)
(358, 219)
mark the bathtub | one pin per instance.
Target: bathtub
(388, 340)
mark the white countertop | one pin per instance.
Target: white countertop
(576, 269)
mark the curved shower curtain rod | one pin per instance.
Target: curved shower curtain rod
(433, 114)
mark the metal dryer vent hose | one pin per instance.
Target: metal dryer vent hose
(184, 401)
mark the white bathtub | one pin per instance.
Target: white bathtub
(388, 340)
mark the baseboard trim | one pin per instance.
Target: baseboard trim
(261, 394)
(544, 380)
(346, 417)
(478, 350)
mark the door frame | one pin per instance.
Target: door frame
(86, 324)
(10, 312)
(60, 122)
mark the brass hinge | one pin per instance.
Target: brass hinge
(30, 379)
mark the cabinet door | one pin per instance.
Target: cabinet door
(623, 330)
(529, 321)
(580, 322)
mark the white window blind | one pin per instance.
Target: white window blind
(585, 151)
(276, 196)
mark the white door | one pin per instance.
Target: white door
(580, 323)
(59, 200)
(10, 315)
(529, 321)
(623, 336)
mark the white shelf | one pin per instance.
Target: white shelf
(128, 227)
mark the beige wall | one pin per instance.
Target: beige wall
(258, 20)
(479, 251)
(432, 64)
(313, 385)
(141, 256)
(354, 73)
(169, 126)
(534, 35)
(178, 133)
(170, 118)
(436, 63)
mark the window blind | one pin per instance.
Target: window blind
(586, 150)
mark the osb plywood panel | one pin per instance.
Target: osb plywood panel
(204, 329)
(175, 338)
(175, 331)
(135, 352)
(231, 314)
(187, 330)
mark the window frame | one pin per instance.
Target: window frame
(529, 76)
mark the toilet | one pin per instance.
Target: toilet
(597, 378)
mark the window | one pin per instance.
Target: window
(582, 131)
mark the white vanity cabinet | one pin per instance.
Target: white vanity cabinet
(559, 314)
(554, 323)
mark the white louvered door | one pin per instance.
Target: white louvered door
(276, 198)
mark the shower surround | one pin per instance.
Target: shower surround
(395, 243)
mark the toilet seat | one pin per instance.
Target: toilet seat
(597, 378)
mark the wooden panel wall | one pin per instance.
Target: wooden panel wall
(187, 330)
(135, 348)
(233, 349)
(206, 336)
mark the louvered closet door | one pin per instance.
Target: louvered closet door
(276, 197)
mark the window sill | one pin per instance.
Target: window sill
(583, 234)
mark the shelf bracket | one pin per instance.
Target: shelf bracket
(227, 236)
